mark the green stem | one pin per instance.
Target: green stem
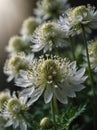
(90, 74)
(72, 47)
(53, 113)
(89, 66)
(56, 106)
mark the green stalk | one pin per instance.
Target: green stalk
(90, 75)
(53, 113)
(56, 105)
(89, 66)
(72, 47)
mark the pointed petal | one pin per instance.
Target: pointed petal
(48, 93)
(35, 95)
(60, 95)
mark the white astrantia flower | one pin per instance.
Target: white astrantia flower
(80, 15)
(16, 63)
(52, 76)
(50, 8)
(17, 45)
(48, 36)
(28, 27)
(93, 54)
(16, 112)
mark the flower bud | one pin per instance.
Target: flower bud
(46, 123)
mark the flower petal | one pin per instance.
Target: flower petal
(48, 93)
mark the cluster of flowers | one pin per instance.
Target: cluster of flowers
(46, 74)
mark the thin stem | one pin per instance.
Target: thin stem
(56, 106)
(53, 113)
(72, 47)
(89, 66)
(90, 74)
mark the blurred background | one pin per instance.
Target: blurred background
(12, 15)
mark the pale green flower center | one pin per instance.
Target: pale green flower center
(94, 48)
(49, 71)
(50, 33)
(17, 63)
(14, 106)
(52, 7)
(47, 27)
(30, 25)
(17, 44)
(80, 11)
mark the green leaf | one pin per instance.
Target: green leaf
(69, 116)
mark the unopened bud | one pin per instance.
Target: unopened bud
(46, 123)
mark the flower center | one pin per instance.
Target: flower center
(53, 8)
(14, 106)
(16, 63)
(49, 71)
(80, 11)
(30, 25)
(17, 44)
(50, 33)
(93, 50)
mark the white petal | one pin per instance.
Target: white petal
(23, 80)
(73, 64)
(9, 123)
(16, 124)
(23, 125)
(60, 95)
(35, 95)
(37, 47)
(26, 92)
(48, 93)
(10, 78)
(77, 80)
(95, 69)
(69, 91)
(78, 87)
(80, 72)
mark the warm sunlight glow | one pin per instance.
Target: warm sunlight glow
(12, 14)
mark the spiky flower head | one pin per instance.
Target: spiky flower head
(53, 76)
(46, 123)
(81, 15)
(29, 25)
(51, 8)
(47, 37)
(93, 54)
(16, 63)
(17, 45)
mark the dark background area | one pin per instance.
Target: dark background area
(15, 29)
